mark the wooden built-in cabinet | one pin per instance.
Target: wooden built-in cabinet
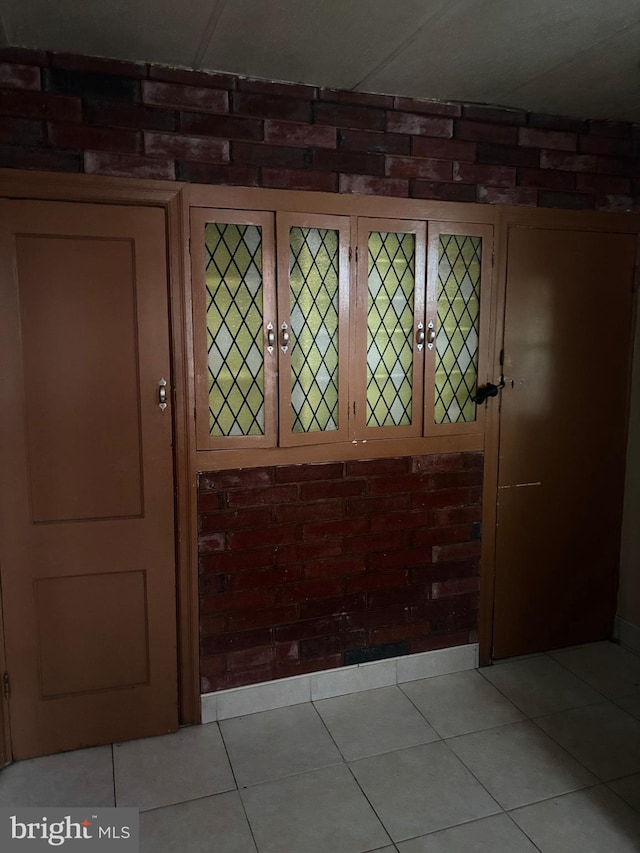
(313, 329)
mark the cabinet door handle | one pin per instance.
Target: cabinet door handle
(420, 336)
(162, 394)
(431, 335)
(285, 337)
(271, 337)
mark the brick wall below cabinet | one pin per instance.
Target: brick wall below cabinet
(310, 567)
(65, 113)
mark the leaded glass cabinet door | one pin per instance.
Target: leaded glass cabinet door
(234, 328)
(313, 327)
(390, 328)
(459, 273)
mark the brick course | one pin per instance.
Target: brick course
(302, 564)
(228, 130)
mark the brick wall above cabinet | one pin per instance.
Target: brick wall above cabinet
(310, 567)
(67, 113)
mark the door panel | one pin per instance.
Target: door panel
(313, 307)
(88, 565)
(67, 310)
(562, 442)
(458, 301)
(390, 327)
(234, 319)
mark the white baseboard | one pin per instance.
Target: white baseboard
(628, 634)
(283, 692)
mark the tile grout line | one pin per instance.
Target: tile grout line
(533, 802)
(471, 772)
(237, 788)
(529, 716)
(226, 752)
(568, 669)
(526, 834)
(438, 739)
(113, 774)
(244, 811)
(601, 781)
(462, 734)
(353, 776)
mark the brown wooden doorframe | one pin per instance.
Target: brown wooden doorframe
(5, 729)
(170, 197)
(507, 218)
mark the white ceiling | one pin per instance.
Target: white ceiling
(569, 57)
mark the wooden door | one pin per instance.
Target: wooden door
(87, 530)
(562, 441)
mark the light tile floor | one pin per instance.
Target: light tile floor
(536, 754)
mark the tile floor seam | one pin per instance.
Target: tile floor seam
(522, 710)
(620, 778)
(613, 791)
(190, 800)
(483, 729)
(560, 796)
(384, 751)
(453, 826)
(526, 834)
(373, 808)
(328, 731)
(248, 819)
(113, 777)
(533, 802)
(290, 775)
(226, 751)
(624, 646)
(564, 666)
(411, 837)
(419, 710)
(502, 693)
(554, 800)
(472, 773)
(575, 758)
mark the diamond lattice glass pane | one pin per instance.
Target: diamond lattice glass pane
(314, 290)
(390, 298)
(458, 327)
(235, 329)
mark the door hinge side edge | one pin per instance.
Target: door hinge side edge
(6, 685)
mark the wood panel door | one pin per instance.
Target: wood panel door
(562, 440)
(87, 528)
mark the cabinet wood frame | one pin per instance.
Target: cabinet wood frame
(284, 222)
(366, 226)
(459, 229)
(200, 218)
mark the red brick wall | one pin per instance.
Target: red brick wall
(75, 114)
(309, 567)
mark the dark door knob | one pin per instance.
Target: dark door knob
(488, 390)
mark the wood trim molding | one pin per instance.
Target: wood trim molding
(491, 451)
(184, 463)
(15, 183)
(340, 204)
